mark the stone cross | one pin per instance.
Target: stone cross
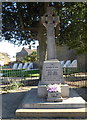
(50, 21)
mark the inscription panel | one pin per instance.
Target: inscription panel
(52, 72)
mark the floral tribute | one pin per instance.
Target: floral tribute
(53, 88)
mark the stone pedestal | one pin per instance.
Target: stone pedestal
(54, 97)
(52, 72)
(65, 90)
(42, 91)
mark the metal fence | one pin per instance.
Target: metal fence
(73, 76)
(76, 77)
(10, 79)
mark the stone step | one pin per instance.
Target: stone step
(53, 105)
(52, 113)
(33, 106)
(31, 100)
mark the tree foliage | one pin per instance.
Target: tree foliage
(18, 21)
(21, 22)
(74, 33)
(31, 58)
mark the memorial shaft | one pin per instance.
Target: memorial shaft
(51, 47)
(50, 21)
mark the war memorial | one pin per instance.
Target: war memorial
(52, 98)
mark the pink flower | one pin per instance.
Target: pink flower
(52, 88)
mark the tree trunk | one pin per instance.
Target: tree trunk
(42, 44)
(42, 37)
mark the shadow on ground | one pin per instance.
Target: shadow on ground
(82, 92)
(10, 103)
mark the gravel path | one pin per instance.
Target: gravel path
(11, 101)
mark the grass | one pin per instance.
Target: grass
(13, 86)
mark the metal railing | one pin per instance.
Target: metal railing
(73, 76)
(24, 76)
(76, 77)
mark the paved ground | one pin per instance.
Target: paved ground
(82, 92)
(11, 101)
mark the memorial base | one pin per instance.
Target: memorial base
(54, 99)
(42, 90)
(34, 106)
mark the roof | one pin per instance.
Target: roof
(5, 54)
(29, 51)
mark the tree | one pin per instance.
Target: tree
(21, 24)
(22, 27)
(74, 33)
(31, 58)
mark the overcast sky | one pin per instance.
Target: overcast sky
(9, 48)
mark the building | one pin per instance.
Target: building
(27, 51)
(4, 57)
(23, 53)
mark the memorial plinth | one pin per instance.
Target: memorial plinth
(36, 107)
(52, 72)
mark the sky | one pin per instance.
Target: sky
(9, 48)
